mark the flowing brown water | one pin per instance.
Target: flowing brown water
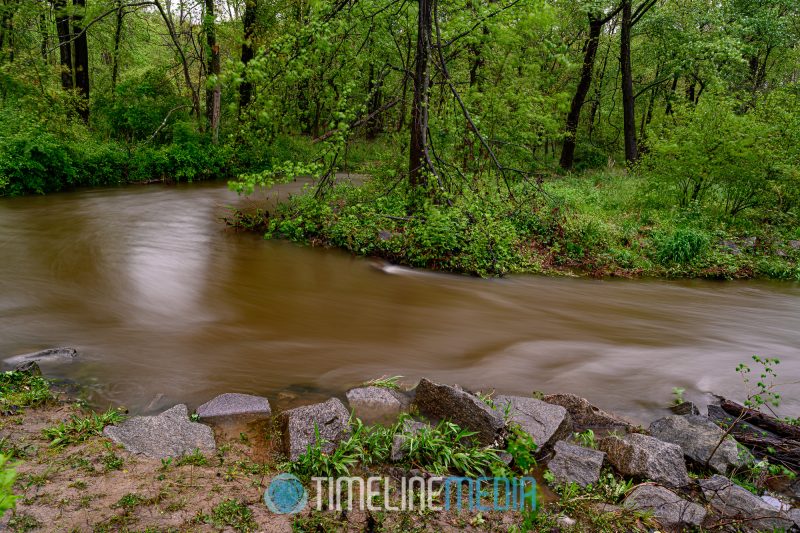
(166, 304)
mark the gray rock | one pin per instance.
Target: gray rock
(234, 406)
(409, 429)
(671, 511)
(545, 422)
(734, 502)
(794, 245)
(685, 408)
(29, 367)
(50, 355)
(170, 434)
(461, 407)
(731, 246)
(698, 437)
(384, 235)
(774, 502)
(377, 404)
(576, 464)
(299, 426)
(749, 242)
(585, 415)
(646, 457)
(565, 522)
(794, 514)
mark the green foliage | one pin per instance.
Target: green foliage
(586, 439)
(78, 429)
(677, 393)
(8, 475)
(763, 391)
(522, 448)
(386, 382)
(683, 245)
(196, 458)
(234, 514)
(22, 389)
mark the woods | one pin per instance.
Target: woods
(697, 102)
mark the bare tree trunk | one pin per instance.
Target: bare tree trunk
(573, 118)
(64, 30)
(81, 50)
(375, 122)
(248, 52)
(117, 39)
(628, 104)
(418, 161)
(213, 68)
(184, 63)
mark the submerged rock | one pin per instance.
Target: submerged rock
(241, 407)
(671, 511)
(29, 367)
(50, 355)
(170, 434)
(699, 438)
(576, 464)
(685, 408)
(646, 457)
(465, 409)
(545, 422)
(299, 427)
(732, 501)
(376, 404)
(584, 415)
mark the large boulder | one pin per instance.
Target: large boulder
(646, 457)
(734, 502)
(463, 408)
(235, 407)
(575, 464)
(169, 434)
(699, 438)
(545, 422)
(672, 512)
(377, 404)
(299, 427)
(50, 355)
(584, 415)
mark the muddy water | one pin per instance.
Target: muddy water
(166, 304)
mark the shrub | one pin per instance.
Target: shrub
(682, 246)
(7, 476)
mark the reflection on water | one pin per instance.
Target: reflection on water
(166, 304)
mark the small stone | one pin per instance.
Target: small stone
(774, 502)
(409, 429)
(545, 422)
(169, 434)
(685, 408)
(794, 245)
(461, 407)
(384, 235)
(749, 242)
(241, 407)
(671, 511)
(646, 457)
(565, 521)
(575, 464)
(585, 415)
(794, 514)
(732, 501)
(698, 437)
(300, 425)
(50, 355)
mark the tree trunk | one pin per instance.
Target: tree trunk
(81, 49)
(64, 30)
(573, 118)
(248, 52)
(117, 39)
(418, 161)
(375, 122)
(671, 95)
(628, 105)
(213, 69)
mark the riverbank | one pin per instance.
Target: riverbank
(78, 469)
(599, 224)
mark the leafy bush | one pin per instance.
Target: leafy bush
(23, 389)
(683, 246)
(78, 429)
(7, 476)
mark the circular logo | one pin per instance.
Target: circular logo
(285, 495)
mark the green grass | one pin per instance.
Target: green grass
(22, 389)
(386, 382)
(233, 513)
(79, 429)
(196, 458)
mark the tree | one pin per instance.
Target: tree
(419, 160)
(214, 92)
(248, 51)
